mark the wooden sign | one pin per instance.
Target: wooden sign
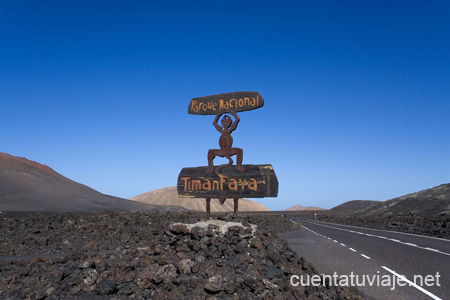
(258, 181)
(225, 103)
(227, 180)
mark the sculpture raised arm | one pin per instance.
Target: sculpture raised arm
(236, 121)
(218, 127)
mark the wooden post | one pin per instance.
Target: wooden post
(208, 208)
(236, 207)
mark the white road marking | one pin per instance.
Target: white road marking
(342, 245)
(335, 241)
(431, 249)
(406, 233)
(412, 284)
(383, 237)
(402, 277)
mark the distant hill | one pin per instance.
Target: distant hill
(27, 185)
(299, 207)
(429, 201)
(355, 206)
(169, 196)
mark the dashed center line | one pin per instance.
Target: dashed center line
(334, 241)
(386, 268)
(385, 238)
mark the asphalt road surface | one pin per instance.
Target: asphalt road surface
(375, 260)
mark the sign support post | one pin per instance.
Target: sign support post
(208, 207)
(236, 206)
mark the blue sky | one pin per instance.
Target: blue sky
(357, 93)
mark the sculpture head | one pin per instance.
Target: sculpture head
(226, 122)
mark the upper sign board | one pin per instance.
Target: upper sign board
(225, 103)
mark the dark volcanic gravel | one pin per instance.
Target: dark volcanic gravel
(151, 256)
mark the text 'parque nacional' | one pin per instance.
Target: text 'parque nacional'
(223, 103)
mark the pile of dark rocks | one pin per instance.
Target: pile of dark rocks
(151, 256)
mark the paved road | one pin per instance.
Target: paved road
(377, 254)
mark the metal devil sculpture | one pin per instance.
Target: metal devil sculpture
(226, 143)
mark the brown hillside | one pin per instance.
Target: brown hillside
(430, 201)
(355, 206)
(30, 186)
(169, 196)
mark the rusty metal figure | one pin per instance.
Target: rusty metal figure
(225, 143)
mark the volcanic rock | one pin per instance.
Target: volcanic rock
(138, 256)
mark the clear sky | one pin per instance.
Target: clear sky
(357, 93)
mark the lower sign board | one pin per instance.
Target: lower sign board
(257, 181)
